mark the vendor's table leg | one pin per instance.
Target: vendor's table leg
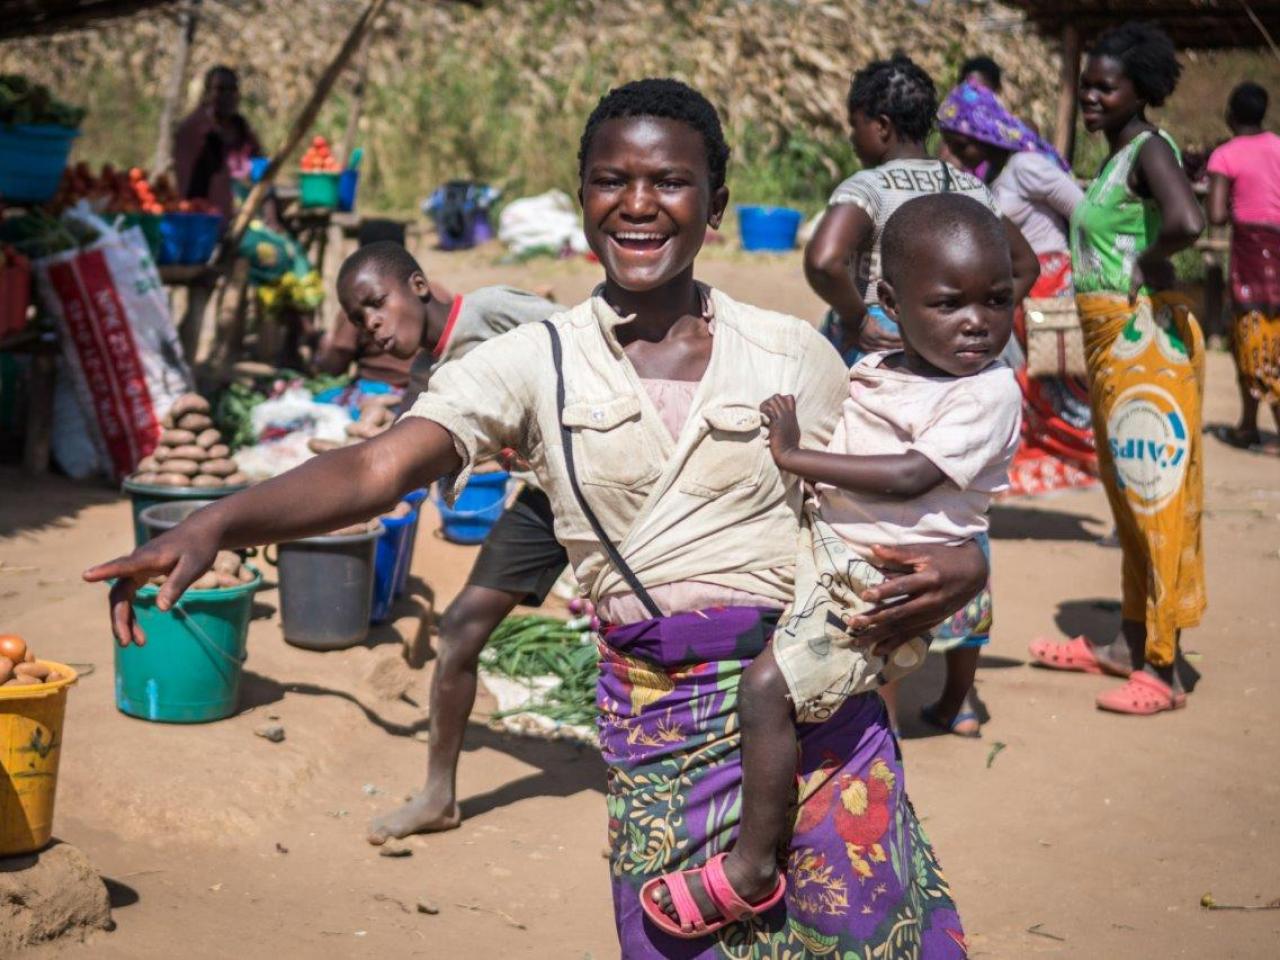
(35, 454)
(191, 326)
(228, 332)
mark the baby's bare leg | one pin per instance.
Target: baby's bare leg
(769, 761)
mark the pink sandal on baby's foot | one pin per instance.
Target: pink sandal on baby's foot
(731, 907)
(1142, 695)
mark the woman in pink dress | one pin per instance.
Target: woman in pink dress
(1245, 192)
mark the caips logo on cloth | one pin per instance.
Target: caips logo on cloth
(1147, 431)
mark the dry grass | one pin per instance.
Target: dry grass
(500, 93)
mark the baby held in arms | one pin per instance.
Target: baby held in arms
(924, 441)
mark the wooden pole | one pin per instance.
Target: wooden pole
(231, 242)
(357, 106)
(1064, 136)
(1266, 34)
(188, 18)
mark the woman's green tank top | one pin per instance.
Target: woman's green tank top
(1112, 225)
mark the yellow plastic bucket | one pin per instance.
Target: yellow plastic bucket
(30, 744)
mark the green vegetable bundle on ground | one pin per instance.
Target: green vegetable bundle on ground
(528, 646)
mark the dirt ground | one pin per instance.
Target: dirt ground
(1083, 835)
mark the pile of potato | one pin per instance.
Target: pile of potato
(19, 666)
(228, 570)
(191, 451)
(376, 416)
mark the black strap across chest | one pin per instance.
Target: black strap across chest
(566, 444)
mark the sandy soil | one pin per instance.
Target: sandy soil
(1086, 835)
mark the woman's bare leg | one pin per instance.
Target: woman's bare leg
(769, 760)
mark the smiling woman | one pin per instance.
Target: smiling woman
(1145, 355)
(638, 411)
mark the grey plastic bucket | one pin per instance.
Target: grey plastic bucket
(326, 589)
(160, 517)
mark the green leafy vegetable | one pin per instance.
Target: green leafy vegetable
(528, 646)
(22, 101)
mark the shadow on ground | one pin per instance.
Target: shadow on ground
(1012, 522)
(30, 504)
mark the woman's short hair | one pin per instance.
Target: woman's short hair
(1148, 57)
(1248, 104)
(668, 100)
(899, 89)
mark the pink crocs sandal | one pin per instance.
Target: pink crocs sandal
(1075, 655)
(1142, 695)
(730, 906)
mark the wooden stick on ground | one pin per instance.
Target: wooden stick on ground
(231, 242)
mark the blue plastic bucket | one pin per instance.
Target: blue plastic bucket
(478, 508)
(188, 237)
(200, 237)
(391, 555)
(189, 669)
(414, 500)
(768, 228)
(348, 182)
(32, 158)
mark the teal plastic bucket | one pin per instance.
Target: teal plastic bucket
(477, 509)
(189, 669)
(32, 158)
(318, 189)
(144, 495)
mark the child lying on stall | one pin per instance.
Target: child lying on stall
(925, 439)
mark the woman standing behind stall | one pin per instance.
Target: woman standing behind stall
(1146, 364)
(1035, 190)
(1245, 191)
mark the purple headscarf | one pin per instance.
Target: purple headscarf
(975, 112)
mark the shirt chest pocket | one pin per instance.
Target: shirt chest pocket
(610, 448)
(731, 453)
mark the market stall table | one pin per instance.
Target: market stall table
(199, 281)
(42, 347)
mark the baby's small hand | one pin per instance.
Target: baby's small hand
(784, 429)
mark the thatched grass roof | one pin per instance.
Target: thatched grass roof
(1191, 23)
(26, 18)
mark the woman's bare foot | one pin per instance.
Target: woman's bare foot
(751, 882)
(422, 813)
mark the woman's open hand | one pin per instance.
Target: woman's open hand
(923, 586)
(784, 428)
(181, 554)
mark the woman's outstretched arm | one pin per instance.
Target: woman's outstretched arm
(330, 491)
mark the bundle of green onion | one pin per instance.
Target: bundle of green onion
(528, 646)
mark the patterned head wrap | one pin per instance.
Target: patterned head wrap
(975, 112)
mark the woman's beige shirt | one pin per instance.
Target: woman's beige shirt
(709, 505)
